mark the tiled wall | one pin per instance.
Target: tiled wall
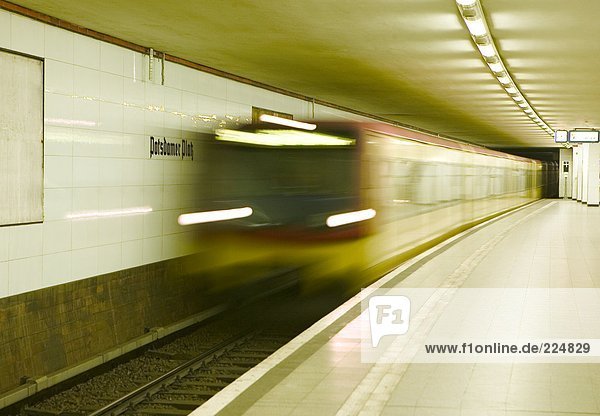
(100, 109)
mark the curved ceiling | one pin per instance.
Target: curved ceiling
(411, 61)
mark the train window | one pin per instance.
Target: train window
(21, 138)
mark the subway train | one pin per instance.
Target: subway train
(343, 203)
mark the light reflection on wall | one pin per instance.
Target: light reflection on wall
(109, 213)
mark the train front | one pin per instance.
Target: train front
(277, 198)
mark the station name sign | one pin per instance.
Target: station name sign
(576, 136)
(165, 148)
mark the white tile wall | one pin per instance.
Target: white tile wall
(132, 253)
(86, 82)
(84, 263)
(27, 35)
(86, 52)
(3, 279)
(58, 203)
(58, 77)
(111, 58)
(5, 31)
(58, 141)
(84, 233)
(58, 44)
(56, 268)
(58, 171)
(56, 236)
(133, 65)
(109, 258)
(100, 108)
(152, 249)
(24, 275)
(4, 244)
(25, 241)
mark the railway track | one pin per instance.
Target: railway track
(189, 385)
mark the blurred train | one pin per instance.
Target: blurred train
(345, 202)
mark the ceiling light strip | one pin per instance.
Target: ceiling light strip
(472, 14)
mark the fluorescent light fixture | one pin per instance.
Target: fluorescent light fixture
(109, 213)
(214, 216)
(287, 122)
(487, 50)
(474, 17)
(350, 217)
(476, 27)
(496, 67)
(282, 138)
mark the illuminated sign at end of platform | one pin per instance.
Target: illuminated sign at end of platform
(561, 136)
(583, 136)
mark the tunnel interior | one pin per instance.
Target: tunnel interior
(550, 164)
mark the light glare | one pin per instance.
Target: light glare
(287, 122)
(496, 67)
(282, 138)
(487, 50)
(213, 216)
(476, 27)
(109, 213)
(466, 2)
(350, 217)
(504, 79)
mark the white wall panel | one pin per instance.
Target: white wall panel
(4, 244)
(56, 236)
(86, 52)
(58, 44)
(109, 258)
(58, 172)
(25, 241)
(84, 233)
(3, 279)
(58, 203)
(111, 58)
(24, 275)
(84, 263)
(5, 31)
(58, 141)
(131, 253)
(56, 268)
(27, 35)
(58, 77)
(152, 249)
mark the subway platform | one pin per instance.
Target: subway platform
(548, 244)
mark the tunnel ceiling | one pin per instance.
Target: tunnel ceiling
(407, 60)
